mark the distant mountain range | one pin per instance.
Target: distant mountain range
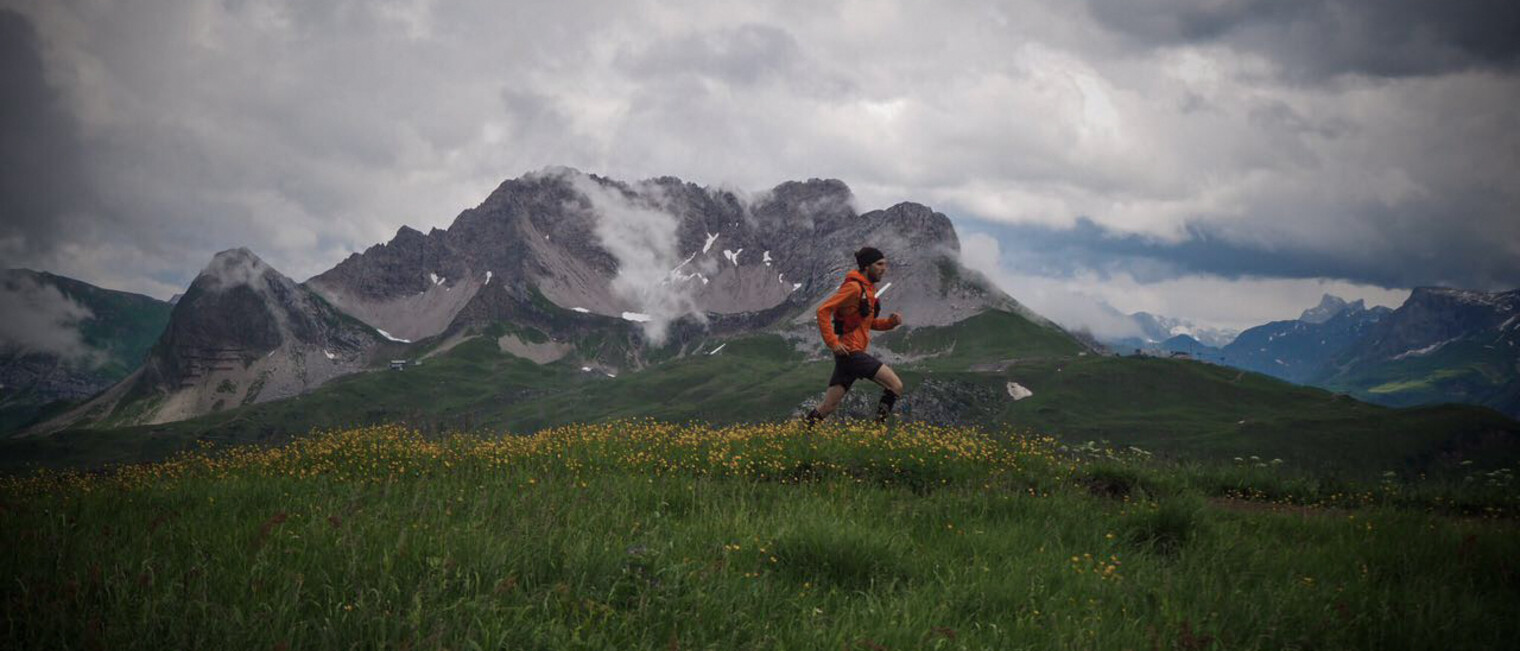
(1441, 345)
(1155, 329)
(1298, 350)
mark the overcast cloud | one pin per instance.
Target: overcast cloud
(40, 319)
(1185, 148)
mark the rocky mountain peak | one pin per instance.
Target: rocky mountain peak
(923, 226)
(1329, 306)
(812, 190)
(815, 203)
(242, 333)
(232, 268)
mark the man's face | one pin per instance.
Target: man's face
(876, 270)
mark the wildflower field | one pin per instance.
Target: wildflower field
(654, 535)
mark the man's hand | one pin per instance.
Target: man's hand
(841, 351)
(895, 319)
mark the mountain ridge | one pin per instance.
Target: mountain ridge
(559, 253)
(242, 333)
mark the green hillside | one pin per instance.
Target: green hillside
(1465, 371)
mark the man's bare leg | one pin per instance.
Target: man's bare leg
(892, 388)
(831, 399)
(888, 379)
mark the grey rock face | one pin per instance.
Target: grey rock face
(560, 250)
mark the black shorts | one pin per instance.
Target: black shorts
(852, 367)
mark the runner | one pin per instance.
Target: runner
(846, 320)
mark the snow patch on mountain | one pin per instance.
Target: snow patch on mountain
(1420, 352)
(387, 335)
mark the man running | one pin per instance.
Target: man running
(846, 320)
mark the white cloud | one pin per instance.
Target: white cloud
(640, 233)
(1100, 303)
(305, 131)
(40, 319)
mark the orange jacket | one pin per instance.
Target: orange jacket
(846, 302)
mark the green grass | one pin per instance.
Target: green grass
(649, 536)
(1432, 381)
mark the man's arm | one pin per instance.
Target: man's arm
(826, 314)
(887, 323)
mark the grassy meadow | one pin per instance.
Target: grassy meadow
(645, 534)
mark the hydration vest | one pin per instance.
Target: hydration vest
(864, 310)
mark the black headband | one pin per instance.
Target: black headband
(867, 256)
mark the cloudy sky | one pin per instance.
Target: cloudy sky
(1225, 161)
